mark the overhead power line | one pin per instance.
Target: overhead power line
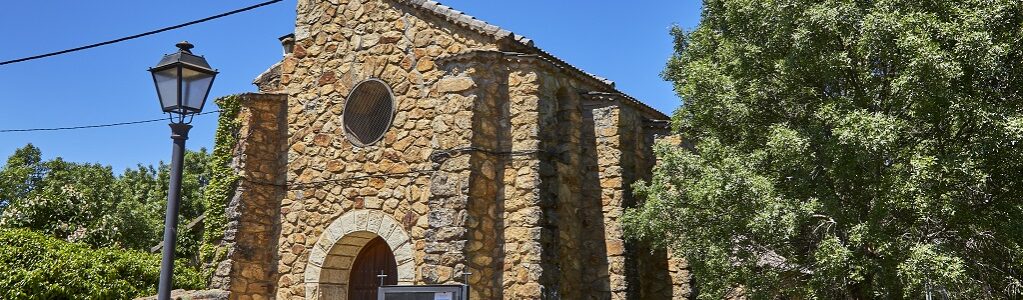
(441, 156)
(95, 126)
(413, 173)
(140, 34)
(438, 157)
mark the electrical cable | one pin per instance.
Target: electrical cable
(438, 157)
(95, 126)
(342, 180)
(443, 155)
(139, 35)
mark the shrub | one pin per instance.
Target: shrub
(37, 266)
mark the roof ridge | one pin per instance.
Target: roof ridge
(459, 17)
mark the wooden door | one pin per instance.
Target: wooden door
(374, 258)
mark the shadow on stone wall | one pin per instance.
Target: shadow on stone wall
(485, 252)
(592, 214)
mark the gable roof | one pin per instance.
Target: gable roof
(466, 21)
(518, 41)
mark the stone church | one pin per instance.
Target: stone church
(411, 143)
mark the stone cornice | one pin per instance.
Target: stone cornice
(264, 96)
(603, 96)
(474, 56)
(269, 75)
(657, 124)
(490, 56)
(622, 97)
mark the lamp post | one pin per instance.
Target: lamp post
(183, 82)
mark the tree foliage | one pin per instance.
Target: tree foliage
(19, 175)
(37, 266)
(101, 215)
(845, 149)
(81, 202)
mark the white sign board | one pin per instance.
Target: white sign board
(443, 296)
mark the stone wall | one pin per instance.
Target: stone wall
(249, 268)
(525, 275)
(479, 232)
(338, 45)
(570, 207)
(618, 141)
(512, 167)
(485, 236)
(447, 234)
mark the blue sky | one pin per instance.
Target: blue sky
(625, 41)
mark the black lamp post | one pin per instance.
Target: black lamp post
(183, 82)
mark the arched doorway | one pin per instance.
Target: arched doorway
(330, 272)
(375, 259)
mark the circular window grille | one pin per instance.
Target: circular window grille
(368, 112)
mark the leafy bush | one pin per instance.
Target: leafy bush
(845, 150)
(86, 202)
(37, 266)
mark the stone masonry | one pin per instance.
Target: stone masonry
(502, 161)
(254, 209)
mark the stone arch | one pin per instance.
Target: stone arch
(330, 261)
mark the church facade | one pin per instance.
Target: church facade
(404, 141)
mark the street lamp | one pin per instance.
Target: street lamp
(183, 82)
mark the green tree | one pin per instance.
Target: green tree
(69, 200)
(141, 194)
(845, 149)
(194, 179)
(88, 203)
(144, 191)
(20, 173)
